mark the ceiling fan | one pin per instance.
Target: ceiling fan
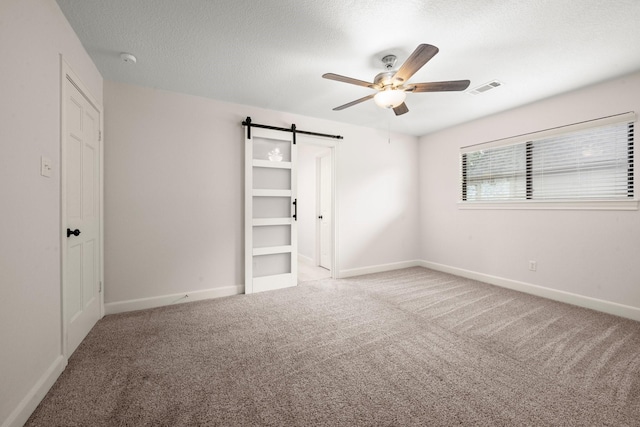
(392, 86)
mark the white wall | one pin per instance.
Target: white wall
(33, 33)
(174, 186)
(594, 254)
(378, 199)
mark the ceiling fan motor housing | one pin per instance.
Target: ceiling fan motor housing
(384, 79)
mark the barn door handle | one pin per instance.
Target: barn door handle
(295, 209)
(75, 232)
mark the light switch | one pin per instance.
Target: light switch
(45, 166)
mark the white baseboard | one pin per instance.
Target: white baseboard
(162, 300)
(614, 308)
(28, 404)
(378, 268)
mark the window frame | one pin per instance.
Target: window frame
(630, 203)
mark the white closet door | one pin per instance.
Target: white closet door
(82, 193)
(271, 240)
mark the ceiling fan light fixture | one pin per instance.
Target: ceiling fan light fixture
(392, 85)
(390, 98)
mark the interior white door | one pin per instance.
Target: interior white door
(271, 239)
(325, 191)
(81, 151)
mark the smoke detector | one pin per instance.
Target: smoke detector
(128, 58)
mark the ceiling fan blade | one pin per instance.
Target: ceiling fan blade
(339, 78)
(418, 58)
(401, 109)
(453, 85)
(352, 103)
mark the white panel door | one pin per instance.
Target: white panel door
(81, 151)
(325, 217)
(271, 240)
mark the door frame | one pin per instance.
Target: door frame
(67, 74)
(333, 147)
(319, 175)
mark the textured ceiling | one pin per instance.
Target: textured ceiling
(272, 53)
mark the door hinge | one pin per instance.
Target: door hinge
(99, 135)
(100, 287)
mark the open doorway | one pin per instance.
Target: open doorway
(316, 210)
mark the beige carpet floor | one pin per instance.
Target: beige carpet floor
(405, 348)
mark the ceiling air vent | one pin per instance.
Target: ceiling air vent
(485, 87)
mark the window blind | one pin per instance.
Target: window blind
(495, 173)
(594, 164)
(587, 161)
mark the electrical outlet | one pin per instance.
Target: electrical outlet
(533, 265)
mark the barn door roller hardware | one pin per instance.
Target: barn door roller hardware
(247, 122)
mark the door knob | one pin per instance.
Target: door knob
(75, 232)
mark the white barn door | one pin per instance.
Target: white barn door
(271, 240)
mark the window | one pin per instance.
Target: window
(586, 161)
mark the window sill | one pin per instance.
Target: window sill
(591, 205)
